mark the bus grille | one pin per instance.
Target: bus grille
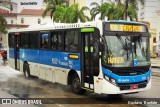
(127, 87)
(129, 71)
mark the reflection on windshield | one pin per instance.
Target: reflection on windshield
(130, 50)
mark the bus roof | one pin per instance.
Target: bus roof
(52, 26)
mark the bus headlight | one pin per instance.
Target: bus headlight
(113, 81)
(107, 78)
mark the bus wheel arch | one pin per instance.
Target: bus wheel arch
(74, 81)
(26, 69)
(69, 78)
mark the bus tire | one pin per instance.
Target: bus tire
(76, 85)
(26, 70)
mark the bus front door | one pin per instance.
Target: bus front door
(90, 61)
(16, 50)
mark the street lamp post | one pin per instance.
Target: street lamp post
(126, 8)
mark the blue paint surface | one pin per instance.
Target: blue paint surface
(58, 59)
(127, 79)
(11, 53)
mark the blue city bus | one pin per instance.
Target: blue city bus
(110, 57)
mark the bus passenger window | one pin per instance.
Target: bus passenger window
(11, 40)
(33, 40)
(57, 41)
(44, 41)
(53, 41)
(71, 41)
(24, 40)
(60, 41)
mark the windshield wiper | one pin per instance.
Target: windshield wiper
(120, 39)
(124, 44)
(127, 49)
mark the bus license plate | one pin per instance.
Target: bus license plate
(133, 86)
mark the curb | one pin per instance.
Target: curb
(155, 66)
(155, 74)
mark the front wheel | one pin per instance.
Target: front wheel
(26, 70)
(76, 86)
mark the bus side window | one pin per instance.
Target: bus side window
(44, 41)
(54, 41)
(11, 40)
(71, 41)
(60, 41)
(33, 40)
(57, 41)
(24, 40)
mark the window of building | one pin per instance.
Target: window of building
(11, 8)
(22, 20)
(11, 21)
(44, 41)
(33, 40)
(154, 40)
(39, 21)
(71, 41)
(24, 40)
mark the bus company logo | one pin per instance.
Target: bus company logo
(54, 61)
(125, 80)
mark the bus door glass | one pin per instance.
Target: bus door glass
(16, 50)
(90, 59)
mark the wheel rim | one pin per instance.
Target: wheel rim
(26, 73)
(76, 84)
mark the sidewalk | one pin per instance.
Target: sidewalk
(155, 62)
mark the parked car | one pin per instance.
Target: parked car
(153, 55)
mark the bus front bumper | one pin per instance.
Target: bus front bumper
(109, 88)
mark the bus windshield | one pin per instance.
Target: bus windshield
(126, 50)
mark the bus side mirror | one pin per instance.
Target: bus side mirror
(101, 47)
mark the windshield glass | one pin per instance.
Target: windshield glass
(126, 50)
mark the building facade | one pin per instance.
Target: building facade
(22, 19)
(150, 12)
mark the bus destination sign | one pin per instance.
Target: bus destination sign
(125, 27)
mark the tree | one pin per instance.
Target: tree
(51, 6)
(3, 25)
(132, 4)
(70, 14)
(119, 12)
(114, 11)
(59, 13)
(107, 10)
(95, 10)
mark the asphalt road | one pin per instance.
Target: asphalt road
(14, 85)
